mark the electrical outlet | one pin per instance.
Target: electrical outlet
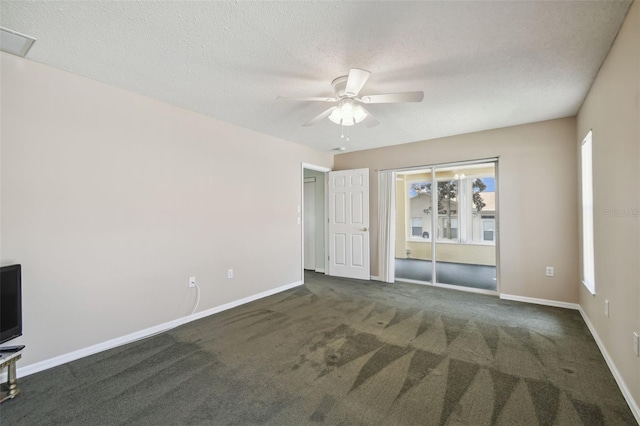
(192, 281)
(606, 308)
(549, 271)
(230, 273)
(636, 350)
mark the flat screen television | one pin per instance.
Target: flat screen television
(10, 302)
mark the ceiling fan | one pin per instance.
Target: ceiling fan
(349, 109)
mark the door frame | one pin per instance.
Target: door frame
(434, 207)
(309, 229)
(324, 170)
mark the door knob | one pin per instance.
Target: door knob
(364, 229)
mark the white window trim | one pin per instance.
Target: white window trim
(411, 226)
(419, 240)
(458, 240)
(409, 236)
(493, 230)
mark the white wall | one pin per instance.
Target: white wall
(111, 200)
(612, 111)
(537, 199)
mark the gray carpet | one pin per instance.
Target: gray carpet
(342, 352)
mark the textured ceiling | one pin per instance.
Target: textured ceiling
(481, 64)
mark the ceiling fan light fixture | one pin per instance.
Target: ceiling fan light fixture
(349, 109)
(348, 113)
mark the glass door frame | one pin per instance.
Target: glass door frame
(434, 221)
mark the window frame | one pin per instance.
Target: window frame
(586, 213)
(491, 221)
(456, 216)
(409, 231)
(411, 226)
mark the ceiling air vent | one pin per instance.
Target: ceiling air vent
(15, 43)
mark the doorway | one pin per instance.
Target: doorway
(446, 226)
(335, 222)
(313, 219)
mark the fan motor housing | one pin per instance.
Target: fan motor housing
(339, 85)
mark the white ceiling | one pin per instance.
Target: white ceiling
(481, 64)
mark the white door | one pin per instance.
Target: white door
(349, 224)
(310, 224)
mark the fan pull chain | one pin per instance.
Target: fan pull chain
(342, 133)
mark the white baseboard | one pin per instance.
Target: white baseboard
(374, 278)
(616, 374)
(409, 280)
(449, 286)
(535, 301)
(320, 270)
(467, 289)
(142, 334)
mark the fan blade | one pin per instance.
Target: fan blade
(316, 99)
(393, 98)
(319, 117)
(370, 121)
(356, 81)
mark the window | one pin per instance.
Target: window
(483, 205)
(488, 228)
(588, 267)
(454, 228)
(463, 202)
(448, 209)
(416, 227)
(419, 208)
(447, 227)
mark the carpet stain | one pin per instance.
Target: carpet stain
(357, 345)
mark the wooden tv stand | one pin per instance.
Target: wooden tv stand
(10, 389)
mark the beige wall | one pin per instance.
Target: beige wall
(474, 254)
(537, 162)
(111, 200)
(612, 110)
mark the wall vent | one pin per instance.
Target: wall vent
(15, 43)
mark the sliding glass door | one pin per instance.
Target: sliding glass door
(465, 246)
(449, 211)
(413, 225)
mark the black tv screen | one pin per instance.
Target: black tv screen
(10, 302)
